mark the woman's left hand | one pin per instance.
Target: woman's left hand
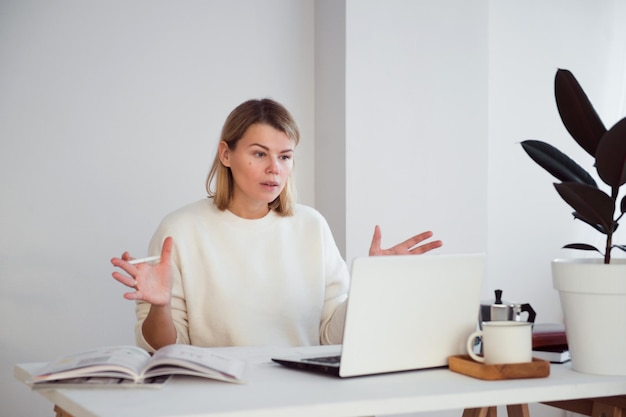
(408, 247)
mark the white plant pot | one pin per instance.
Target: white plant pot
(593, 299)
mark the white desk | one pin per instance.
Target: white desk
(276, 391)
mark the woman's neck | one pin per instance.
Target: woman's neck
(249, 212)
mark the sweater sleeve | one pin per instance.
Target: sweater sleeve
(336, 293)
(333, 335)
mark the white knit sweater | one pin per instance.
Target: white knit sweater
(240, 282)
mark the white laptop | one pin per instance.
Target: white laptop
(404, 312)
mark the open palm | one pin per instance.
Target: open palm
(152, 283)
(408, 247)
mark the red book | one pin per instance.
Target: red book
(548, 334)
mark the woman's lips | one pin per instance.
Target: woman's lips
(270, 185)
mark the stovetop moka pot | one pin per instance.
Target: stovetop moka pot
(500, 310)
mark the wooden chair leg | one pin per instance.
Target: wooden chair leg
(605, 410)
(481, 412)
(61, 412)
(514, 410)
(517, 410)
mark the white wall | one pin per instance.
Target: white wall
(110, 112)
(438, 97)
(416, 112)
(528, 221)
(109, 115)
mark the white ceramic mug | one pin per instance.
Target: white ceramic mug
(503, 342)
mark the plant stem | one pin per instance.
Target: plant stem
(609, 232)
(607, 250)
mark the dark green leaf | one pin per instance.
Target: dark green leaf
(611, 155)
(622, 247)
(598, 227)
(591, 203)
(556, 162)
(577, 113)
(581, 246)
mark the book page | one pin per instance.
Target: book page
(103, 382)
(105, 361)
(195, 360)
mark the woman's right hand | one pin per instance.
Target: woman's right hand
(151, 283)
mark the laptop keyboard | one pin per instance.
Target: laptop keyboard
(331, 360)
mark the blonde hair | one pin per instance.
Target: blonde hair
(264, 111)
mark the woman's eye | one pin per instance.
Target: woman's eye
(285, 157)
(259, 154)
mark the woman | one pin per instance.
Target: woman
(246, 266)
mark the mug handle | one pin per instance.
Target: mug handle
(470, 346)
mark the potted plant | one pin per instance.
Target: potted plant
(592, 290)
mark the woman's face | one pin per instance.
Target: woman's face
(260, 164)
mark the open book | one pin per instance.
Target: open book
(131, 365)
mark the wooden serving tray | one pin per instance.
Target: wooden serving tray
(463, 364)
